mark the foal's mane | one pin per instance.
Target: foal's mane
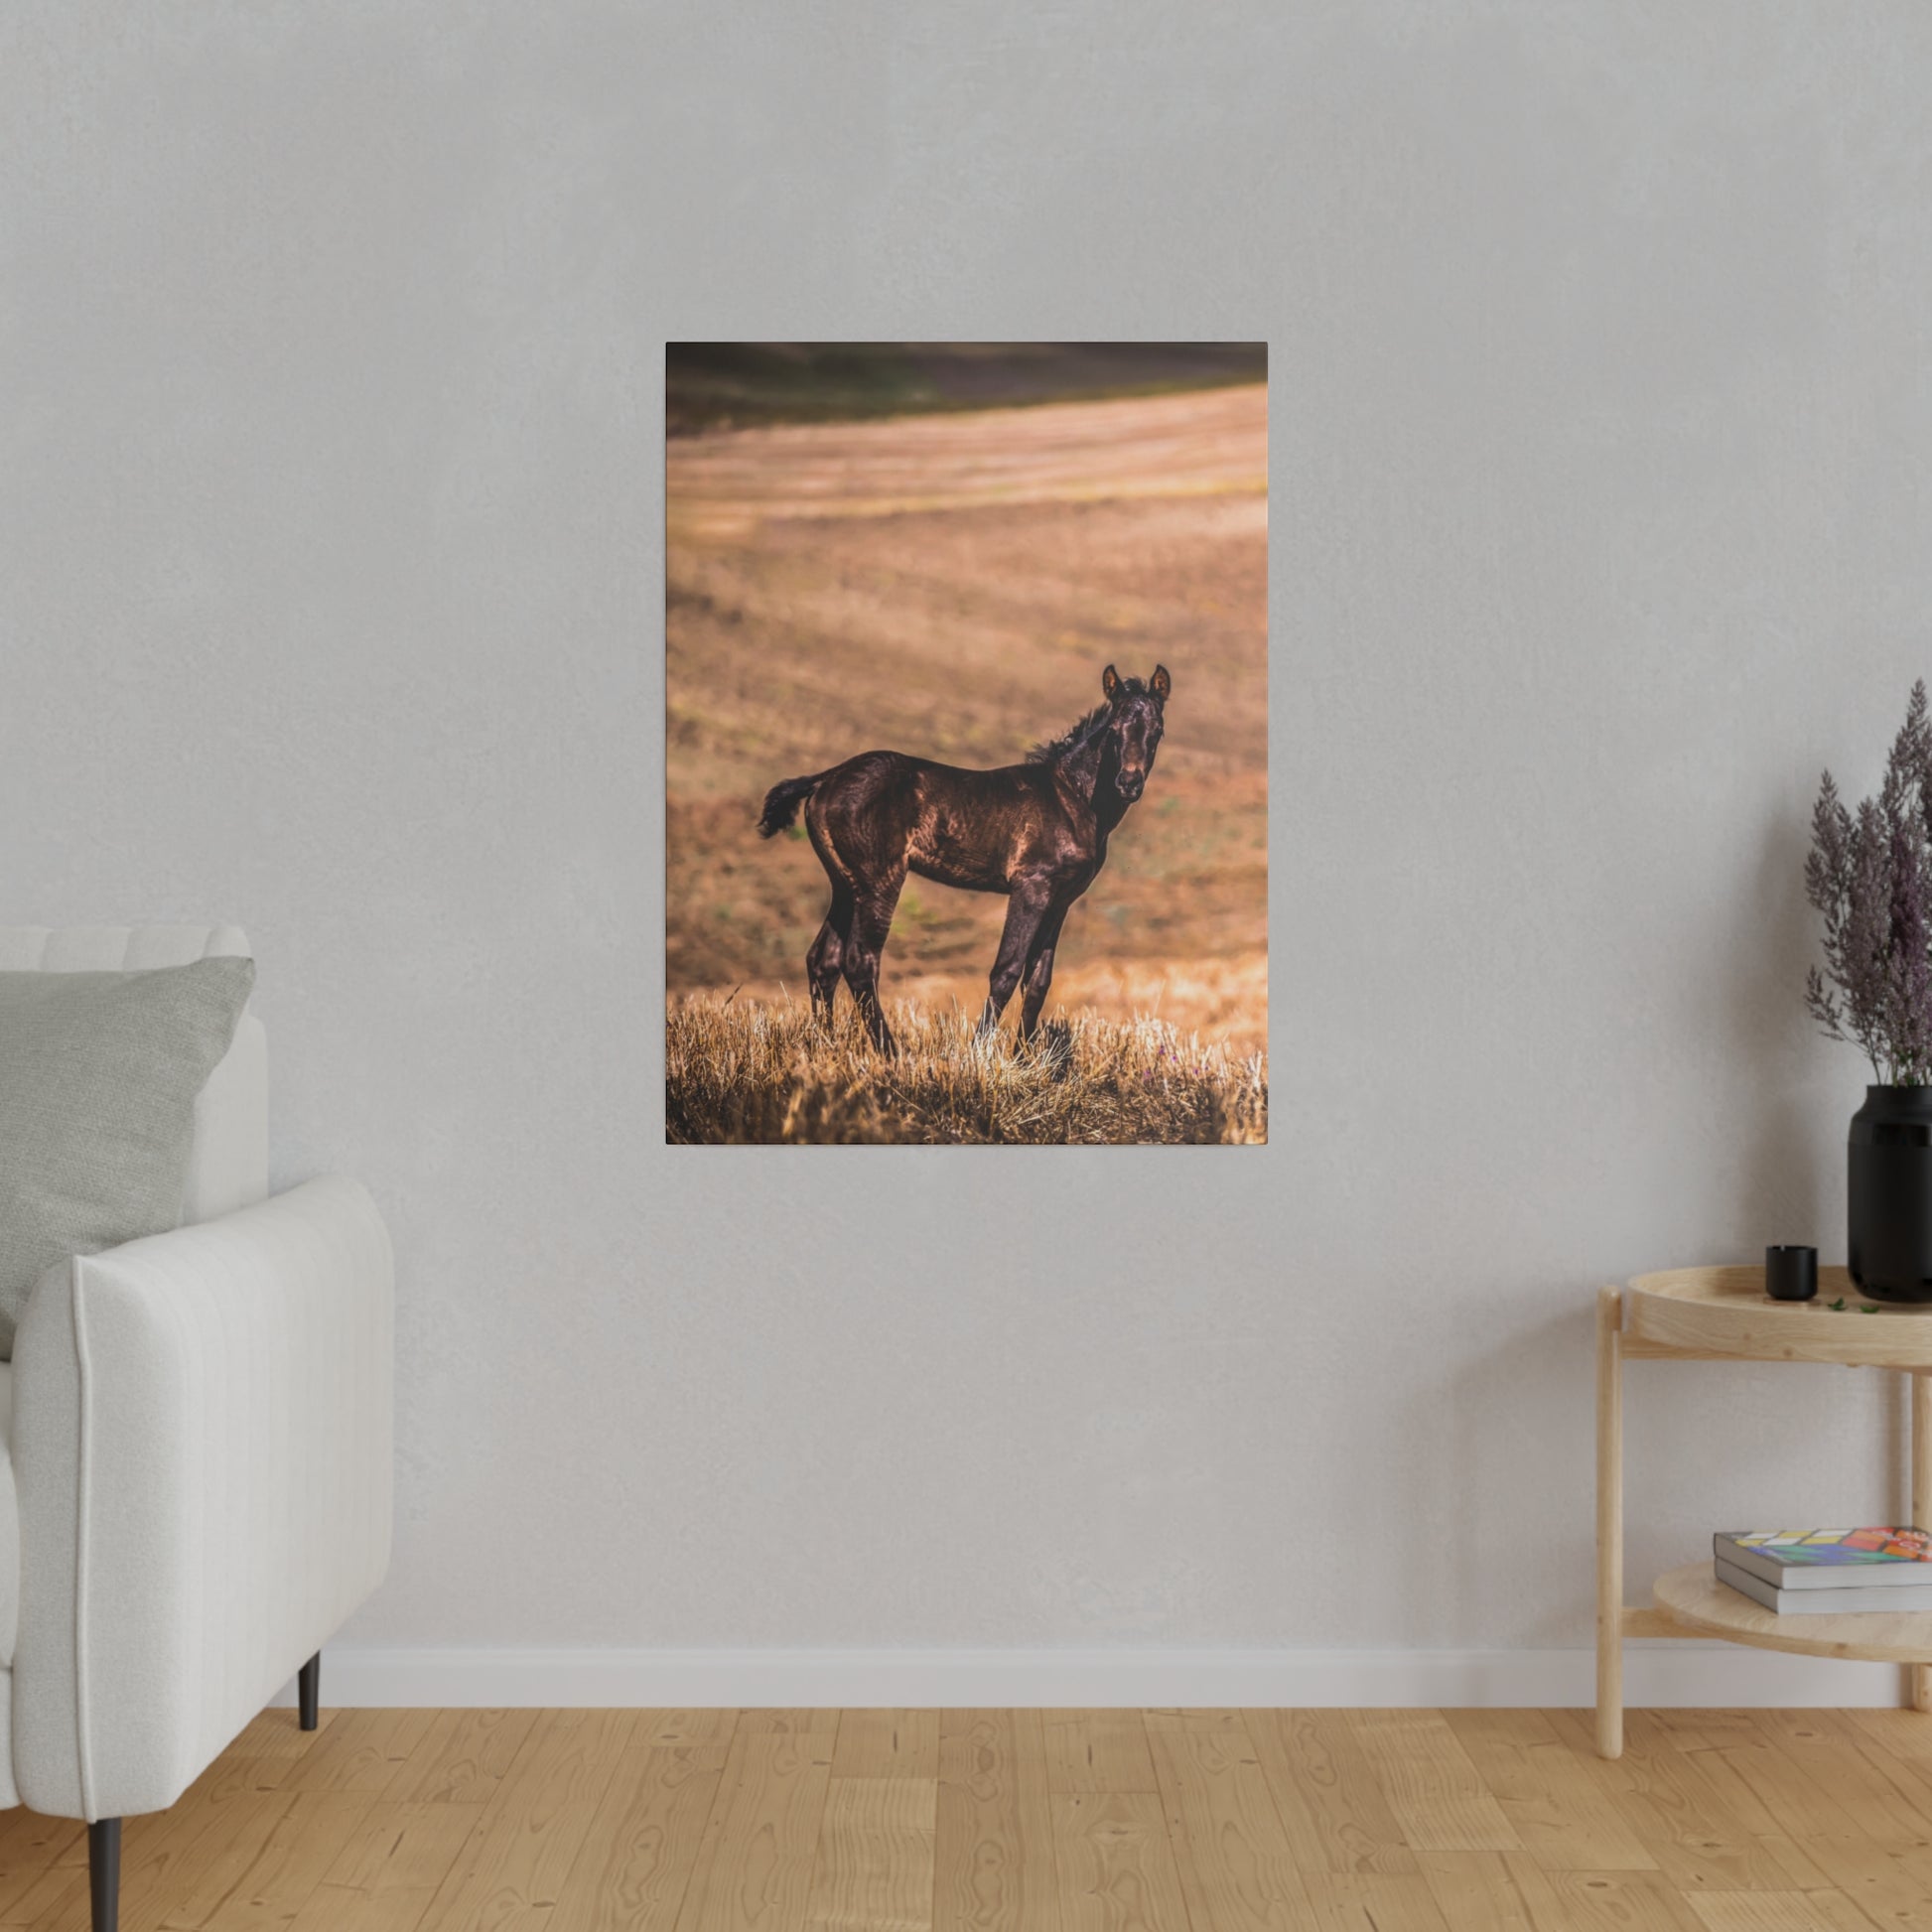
(1051, 751)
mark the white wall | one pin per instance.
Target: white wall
(330, 595)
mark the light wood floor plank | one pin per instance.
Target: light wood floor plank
(1498, 1892)
(686, 1727)
(1779, 1911)
(49, 1856)
(1331, 1807)
(290, 1863)
(1373, 1901)
(758, 1864)
(1437, 1795)
(1703, 1731)
(32, 1847)
(886, 1744)
(386, 1876)
(1892, 1884)
(874, 1870)
(462, 1758)
(1776, 1796)
(1708, 1770)
(64, 1901)
(994, 1867)
(800, 1721)
(1117, 1870)
(1617, 1901)
(1898, 1732)
(1237, 1871)
(278, 1734)
(186, 1885)
(361, 1750)
(1901, 1751)
(512, 1866)
(161, 1854)
(1820, 1746)
(1552, 1794)
(1696, 1840)
(1097, 1750)
(644, 1843)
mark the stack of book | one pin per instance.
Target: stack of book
(1827, 1572)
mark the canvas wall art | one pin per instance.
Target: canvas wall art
(966, 728)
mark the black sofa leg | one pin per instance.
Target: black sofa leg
(308, 1687)
(105, 1873)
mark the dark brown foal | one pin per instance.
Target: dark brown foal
(1036, 832)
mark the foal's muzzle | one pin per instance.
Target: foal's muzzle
(1130, 784)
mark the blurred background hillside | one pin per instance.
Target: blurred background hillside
(723, 386)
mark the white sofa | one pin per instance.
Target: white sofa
(199, 1454)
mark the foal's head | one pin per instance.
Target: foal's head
(1136, 713)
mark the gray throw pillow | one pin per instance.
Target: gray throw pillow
(98, 1075)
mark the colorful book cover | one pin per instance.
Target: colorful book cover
(1822, 1549)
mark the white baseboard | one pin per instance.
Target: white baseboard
(1655, 1674)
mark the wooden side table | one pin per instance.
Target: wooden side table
(1705, 1314)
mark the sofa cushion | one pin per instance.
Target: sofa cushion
(228, 1167)
(98, 1077)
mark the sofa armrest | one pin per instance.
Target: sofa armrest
(202, 1449)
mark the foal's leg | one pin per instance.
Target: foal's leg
(823, 962)
(1040, 971)
(871, 920)
(1024, 911)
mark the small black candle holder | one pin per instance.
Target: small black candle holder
(1791, 1273)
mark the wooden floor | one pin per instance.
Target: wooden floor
(1029, 1821)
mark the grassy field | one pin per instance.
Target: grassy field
(952, 585)
(769, 1073)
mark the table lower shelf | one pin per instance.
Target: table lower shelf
(1697, 1603)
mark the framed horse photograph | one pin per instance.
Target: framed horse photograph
(966, 742)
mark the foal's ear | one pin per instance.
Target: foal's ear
(1110, 680)
(1161, 683)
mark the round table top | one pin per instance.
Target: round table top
(1694, 1598)
(1725, 1311)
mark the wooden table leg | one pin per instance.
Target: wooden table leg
(1921, 1674)
(1609, 1522)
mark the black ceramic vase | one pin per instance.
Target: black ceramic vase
(1891, 1195)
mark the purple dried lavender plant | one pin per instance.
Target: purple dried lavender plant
(1869, 876)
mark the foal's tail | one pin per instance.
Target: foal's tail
(781, 804)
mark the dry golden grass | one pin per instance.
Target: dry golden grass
(1224, 1001)
(738, 1071)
